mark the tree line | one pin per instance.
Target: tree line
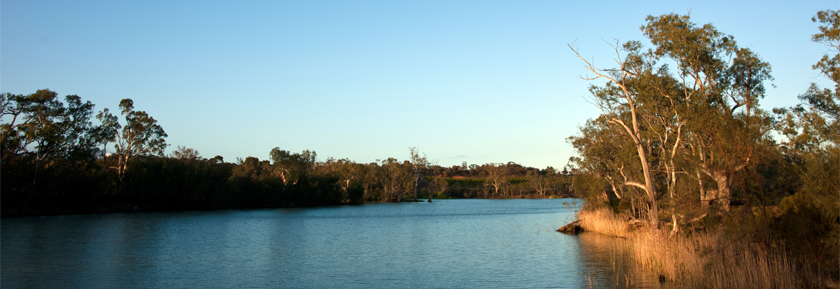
(683, 143)
(63, 157)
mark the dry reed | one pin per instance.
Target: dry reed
(711, 260)
(603, 221)
(703, 260)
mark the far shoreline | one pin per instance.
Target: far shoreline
(111, 208)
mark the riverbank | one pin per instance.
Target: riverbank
(705, 259)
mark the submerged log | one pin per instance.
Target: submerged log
(571, 228)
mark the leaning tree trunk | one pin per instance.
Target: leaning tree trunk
(649, 187)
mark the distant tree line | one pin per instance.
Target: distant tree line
(57, 159)
(683, 143)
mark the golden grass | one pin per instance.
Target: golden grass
(703, 260)
(711, 260)
(603, 221)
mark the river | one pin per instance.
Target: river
(469, 243)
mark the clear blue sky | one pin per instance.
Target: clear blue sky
(476, 81)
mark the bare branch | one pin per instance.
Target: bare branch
(636, 184)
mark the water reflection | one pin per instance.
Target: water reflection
(606, 263)
(445, 244)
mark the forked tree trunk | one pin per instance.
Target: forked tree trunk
(721, 195)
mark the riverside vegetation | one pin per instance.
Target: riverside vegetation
(708, 189)
(55, 160)
(726, 194)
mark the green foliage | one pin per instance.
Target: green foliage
(44, 130)
(807, 232)
(186, 153)
(514, 180)
(809, 220)
(829, 35)
(694, 139)
(291, 167)
(395, 179)
(680, 122)
(592, 189)
(467, 182)
(141, 134)
(438, 186)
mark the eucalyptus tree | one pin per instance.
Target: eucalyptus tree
(812, 131)
(309, 157)
(140, 136)
(560, 182)
(438, 185)
(394, 177)
(291, 167)
(722, 84)
(185, 153)
(348, 172)
(606, 160)
(540, 183)
(497, 176)
(370, 177)
(618, 102)
(604, 153)
(108, 128)
(40, 127)
(709, 104)
(815, 123)
(419, 164)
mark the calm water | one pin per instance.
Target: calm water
(444, 244)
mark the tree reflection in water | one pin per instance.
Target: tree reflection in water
(606, 262)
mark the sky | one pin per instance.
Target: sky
(475, 81)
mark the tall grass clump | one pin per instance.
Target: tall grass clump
(742, 265)
(603, 221)
(712, 260)
(704, 259)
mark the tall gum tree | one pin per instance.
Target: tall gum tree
(497, 176)
(618, 104)
(140, 136)
(292, 167)
(419, 164)
(709, 105)
(394, 176)
(44, 129)
(721, 86)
